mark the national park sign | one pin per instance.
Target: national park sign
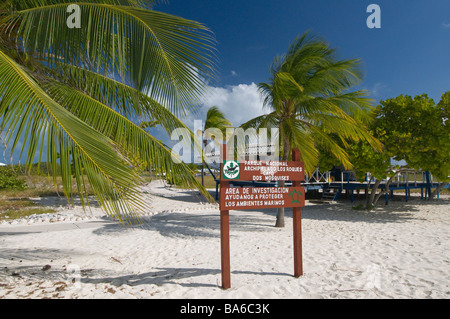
(263, 171)
(240, 198)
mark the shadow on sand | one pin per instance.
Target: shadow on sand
(207, 224)
(162, 276)
(158, 276)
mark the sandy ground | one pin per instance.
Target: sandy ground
(397, 251)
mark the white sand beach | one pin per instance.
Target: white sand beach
(396, 251)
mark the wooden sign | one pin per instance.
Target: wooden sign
(263, 171)
(241, 198)
(237, 198)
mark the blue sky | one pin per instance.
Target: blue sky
(409, 54)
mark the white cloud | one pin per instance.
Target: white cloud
(239, 103)
(233, 73)
(446, 25)
(378, 88)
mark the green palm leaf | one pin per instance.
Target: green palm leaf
(216, 119)
(171, 54)
(120, 97)
(125, 100)
(125, 63)
(311, 103)
(151, 153)
(309, 92)
(29, 112)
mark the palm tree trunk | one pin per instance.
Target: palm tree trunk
(280, 217)
(203, 174)
(203, 179)
(286, 149)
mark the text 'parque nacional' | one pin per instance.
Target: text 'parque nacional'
(263, 171)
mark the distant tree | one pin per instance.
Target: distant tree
(215, 124)
(415, 130)
(365, 160)
(9, 179)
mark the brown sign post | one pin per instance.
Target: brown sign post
(297, 217)
(225, 233)
(240, 198)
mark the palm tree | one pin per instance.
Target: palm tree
(215, 119)
(309, 101)
(72, 94)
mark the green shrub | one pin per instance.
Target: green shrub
(9, 180)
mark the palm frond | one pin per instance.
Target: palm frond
(160, 54)
(309, 94)
(304, 140)
(30, 4)
(27, 111)
(120, 97)
(262, 121)
(151, 153)
(215, 118)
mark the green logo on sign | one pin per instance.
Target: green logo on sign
(295, 199)
(231, 170)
